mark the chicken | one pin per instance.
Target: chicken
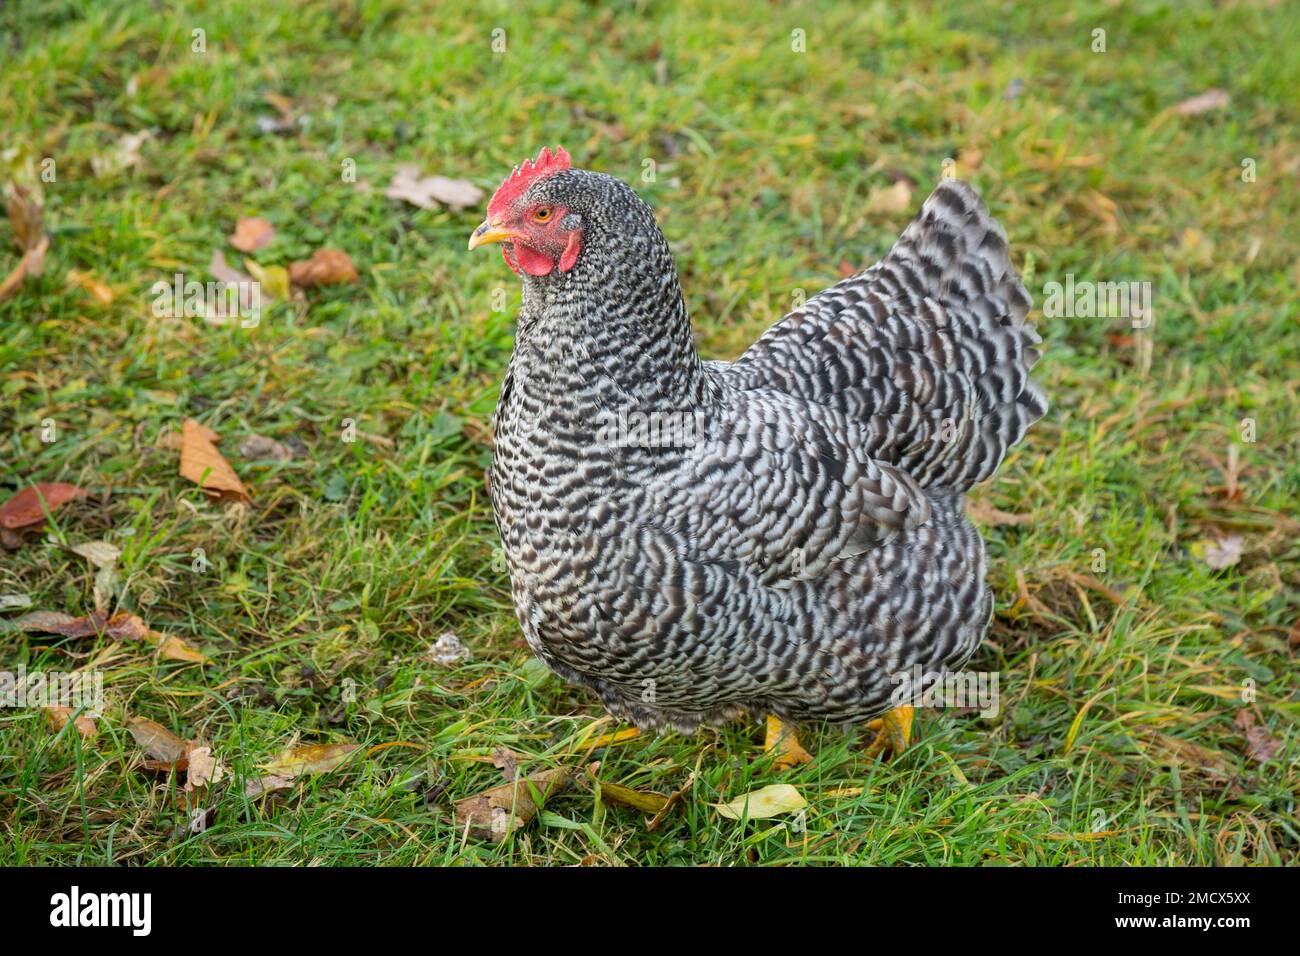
(783, 534)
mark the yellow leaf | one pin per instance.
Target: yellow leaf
(274, 279)
(763, 803)
(646, 800)
(313, 758)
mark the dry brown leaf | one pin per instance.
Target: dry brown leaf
(495, 813)
(428, 192)
(121, 626)
(27, 509)
(507, 761)
(673, 799)
(255, 787)
(251, 234)
(31, 264)
(159, 742)
(101, 554)
(325, 267)
(203, 768)
(1205, 102)
(59, 717)
(202, 464)
(1262, 745)
(223, 271)
(310, 759)
(100, 292)
(26, 215)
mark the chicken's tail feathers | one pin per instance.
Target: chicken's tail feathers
(980, 307)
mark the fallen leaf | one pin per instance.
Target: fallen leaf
(647, 800)
(101, 554)
(274, 280)
(673, 799)
(100, 292)
(325, 267)
(59, 717)
(507, 761)
(1218, 553)
(9, 602)
(890, 200)
(261, 448)
(175, 649)
(157, 741)
(429, 191)
(1205, 102)
(26, 216)
(310, 759)
(203, 769)
(224, 272)
(255, 787)
(28, 508)
(202, 464)
(495, 813)
(31, 264)
(121, 626)
(252, 234)
(763, 803)
(1262, 745)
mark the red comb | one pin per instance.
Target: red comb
(524, 175)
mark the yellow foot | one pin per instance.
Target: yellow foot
(893, 731)
(782, 742)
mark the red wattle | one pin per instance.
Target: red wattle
(509, 260)
(571, 250)
(532, 261)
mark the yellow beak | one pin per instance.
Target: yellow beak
(488, 232)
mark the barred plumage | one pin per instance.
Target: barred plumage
(802, 540)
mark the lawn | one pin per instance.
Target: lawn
(1143, 540)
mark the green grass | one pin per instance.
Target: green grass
(355, 556)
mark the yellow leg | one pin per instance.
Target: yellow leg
(782, 742)
(893, 731)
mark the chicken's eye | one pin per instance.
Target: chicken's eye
(543, 214)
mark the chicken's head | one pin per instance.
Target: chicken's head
(537, 233)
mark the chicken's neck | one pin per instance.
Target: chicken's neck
(605, 342)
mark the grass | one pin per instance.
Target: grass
(1118, 741)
